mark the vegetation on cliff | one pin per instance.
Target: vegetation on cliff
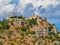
(34, 30)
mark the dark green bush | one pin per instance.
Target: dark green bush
(1, 43)
(50, 27)
(12, 43)
(13, 17)
(32, 21)
(32, 32)
(24, 28)
(21, 17)
(4, 24)
(27, 32)
(40, 18)
(22, 23)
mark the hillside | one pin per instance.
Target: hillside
(33, 30)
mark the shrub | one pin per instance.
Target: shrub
(24, 28)
(12, 43)
(5, 24)
(10, 33)
(40, 18)
(22, 34)
(1, 31)
(50, 27)
(53, 24)
(22, 23)
(13, 17)
(32, 32)
(21, 17)
(32, 21)
(1, 43)
(38, 43)
(2, 37)
(27, 32)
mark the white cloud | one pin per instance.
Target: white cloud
(4, 2)
(36, 3)
(5, 7)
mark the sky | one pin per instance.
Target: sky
(49, 9)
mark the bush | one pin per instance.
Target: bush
(27, 32)
(1, 31)
(22, 23)
(50, 27)
(53, 24)
(1, 43)
(10, 32)
(40, 18)
(12, 43)
(32, 21)
(24, 28)
(21, 17)
(13, 17)
(2, 37)
(5, 24)
(32, 32)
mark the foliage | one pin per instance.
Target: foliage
(2, 37)
(32, 32)
(1, 43)
(4, 24)
(13, 17)
(27, 32)
(12, 43)
(32, 21)
(21, 17)
(1, 31)
(50, 27)
(53, 24)
(24, 28)
(22, 23)
(54, 44)
(40, 18)
(22, 34)
(10, 32)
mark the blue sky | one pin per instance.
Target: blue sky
(44, 8)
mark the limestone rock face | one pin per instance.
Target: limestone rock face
(42, 23)
(54, 29)
(32, 30)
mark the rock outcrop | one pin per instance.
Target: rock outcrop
(32, 30)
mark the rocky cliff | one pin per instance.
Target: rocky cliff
(33, 30)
